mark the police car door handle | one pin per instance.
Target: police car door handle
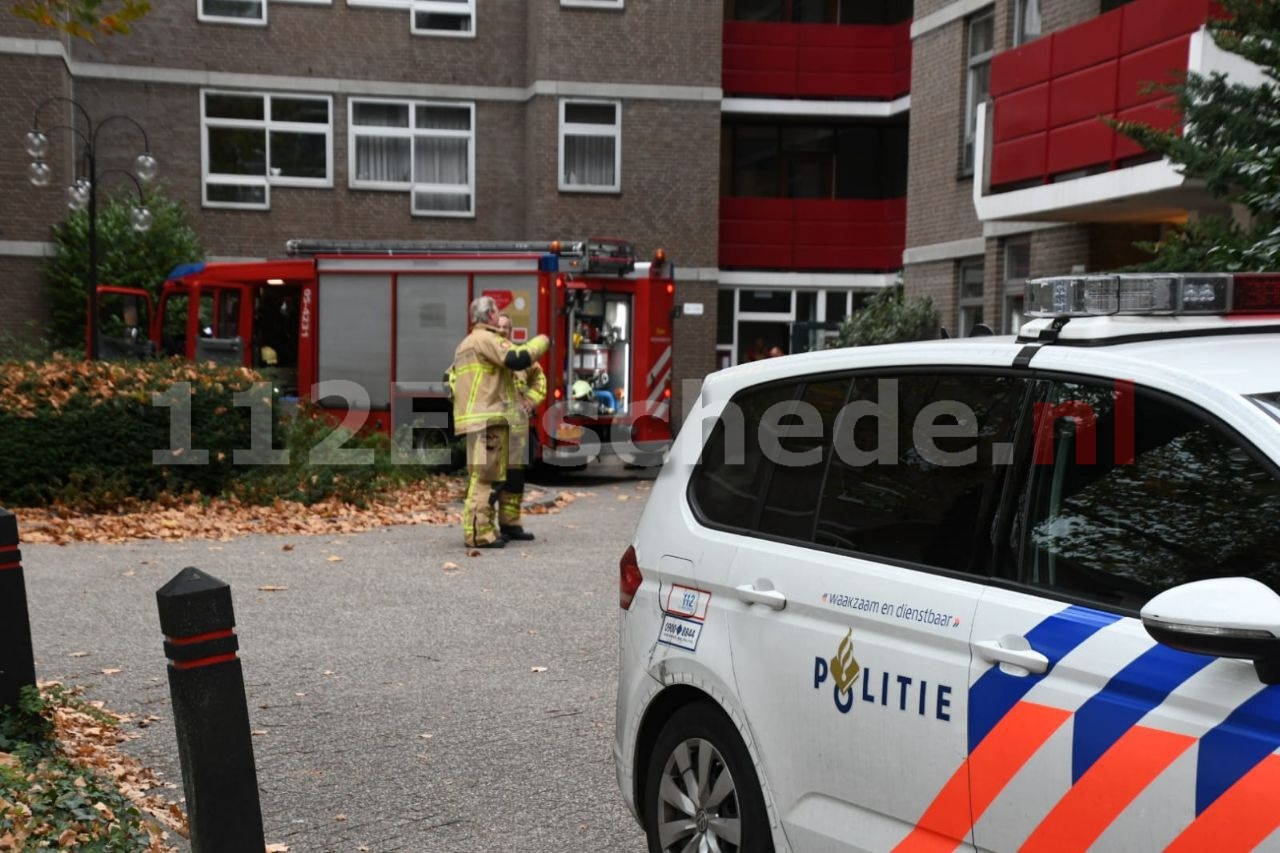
(1006, 651)
(761, 592)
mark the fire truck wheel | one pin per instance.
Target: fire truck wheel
(442, 453)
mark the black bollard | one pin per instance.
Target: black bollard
(210, 714)
(17, 662)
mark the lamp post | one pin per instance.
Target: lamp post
(83, 191)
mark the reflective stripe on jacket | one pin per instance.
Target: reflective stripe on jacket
(483, 384)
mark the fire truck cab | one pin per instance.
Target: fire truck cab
(367, 330)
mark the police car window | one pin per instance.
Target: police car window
(917, 467)
(726, 485)
(795, 483)
(1131, 494)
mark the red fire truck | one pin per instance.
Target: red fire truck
(367, 330)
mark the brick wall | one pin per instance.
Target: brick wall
(23, 310)
(694, 349)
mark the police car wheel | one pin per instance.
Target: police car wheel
(701, 791)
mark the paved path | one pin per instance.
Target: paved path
(395, 699)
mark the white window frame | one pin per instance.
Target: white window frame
(592, 4)
(204, 17)
(966, 304)
(411, 133)
(266, 125)
(976, 64)
(1014, 287)
(1020, 11)
(568, 129)
(456, 8)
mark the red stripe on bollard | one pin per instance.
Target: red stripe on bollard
(209, 661)
(4, 566)
(201, 638)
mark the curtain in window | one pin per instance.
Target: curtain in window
(589, 161)
(1030, 23)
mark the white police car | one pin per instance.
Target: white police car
(996, 593)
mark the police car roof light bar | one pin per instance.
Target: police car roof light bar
(1153, 294)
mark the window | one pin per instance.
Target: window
(423, 147)
(1017, 269)
(795, 483)
(590, 145)
(593, 4)
(806, 160)
(443, 17)
(1026, 21)
(1133, 493)
(253, 141)
(917, 467)
(970, 275)
(981, 49)
(233, 11)
(432, 17)
(819, 11)
(726, 485)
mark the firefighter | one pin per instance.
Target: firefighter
(530, 389)
(484, 382)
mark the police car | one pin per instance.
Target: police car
(1000, 593)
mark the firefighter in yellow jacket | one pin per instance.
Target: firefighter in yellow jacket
(484, 382)
(530, 389)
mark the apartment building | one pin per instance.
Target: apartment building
(791, 156)
(1012, 171)
(387, 119)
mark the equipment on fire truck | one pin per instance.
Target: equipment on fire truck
(365, 329)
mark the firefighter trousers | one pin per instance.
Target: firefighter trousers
(513, 492)
(487, 472)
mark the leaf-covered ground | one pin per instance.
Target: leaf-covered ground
(435, 502)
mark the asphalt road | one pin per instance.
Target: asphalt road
(395, 700)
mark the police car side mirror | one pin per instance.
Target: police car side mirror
(1223, 617)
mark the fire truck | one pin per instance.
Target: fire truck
(366, 331)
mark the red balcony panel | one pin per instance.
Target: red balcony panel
(1163, 114)
(1148, 22)
(1086, 44)
(1086, 93)
(1081, 145)
(1021, 67)
(812, 234)
(820, 60)
(1021, 113)
(759, 83)
(759, 58)
(1018, 160)
(1163, 64)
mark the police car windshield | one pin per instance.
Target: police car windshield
(1270, 403)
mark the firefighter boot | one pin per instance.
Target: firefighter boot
(509, 506)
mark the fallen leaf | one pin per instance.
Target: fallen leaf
(112, 671)
(271, 587)
(128, 574)
(450, 567)
(473, 553)
(288, 546)
(537, 669)
(7, 760)
(67, 838)
(623, 498)
(339, 817)
(424, 736)
(78, 655)
(334, 558)
(277, 848)
(258, 732)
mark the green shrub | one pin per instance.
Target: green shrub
(82, 434)
(125, 257)
(888, 317)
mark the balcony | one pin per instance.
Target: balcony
(817, 60)
(812, 235)
(1049, 154)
